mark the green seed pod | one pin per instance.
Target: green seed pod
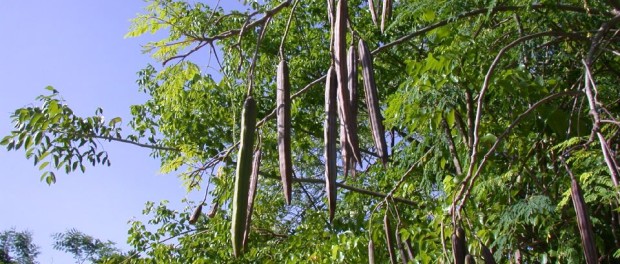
(244, 172)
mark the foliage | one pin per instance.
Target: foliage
(17, 247)
(84, 247)
(489, 107)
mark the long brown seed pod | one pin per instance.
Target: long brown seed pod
(196, 215)
(372, 102)
(340, 59)
(583, 220)
(400, 245)
(371, 252)
(469, 259)
(213, 210)
(283, 99)
(330, 128)
(486, 254)
(352, 125)
(459, 246)
(252, 195)
(389, 237)
(386, 15)
(373, 13)
(243, 175)
(345, 149)
(409, 249)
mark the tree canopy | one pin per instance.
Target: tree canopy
(500, 122)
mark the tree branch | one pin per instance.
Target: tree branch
(133, 143)
(612, 165)
(347, 187)
(468, 182)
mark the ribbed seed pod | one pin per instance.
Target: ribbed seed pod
(371, 252)
(352, 125)
(583, 222)
(196, 215)
(340, 59)
(372, 102)
(345, 149)
(459, 246)
(243, 175)
(487, 255)
(283, 99)
(213, 210)
(389, 238)
(469, 259)
(373, 13)
(330, 134)
(401, 246)
(252, 195)
(386, 15)
(409, 249)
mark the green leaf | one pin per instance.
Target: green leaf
(51, 178)
(43, 165)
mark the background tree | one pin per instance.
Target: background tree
(499, 115)
(17, 247)
(84, 247)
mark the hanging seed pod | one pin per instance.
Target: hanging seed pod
(196, 215)
(409, 249)
(469, 259)
(373, 13)
(344, 150)
(372, 102)
(583, 222)
(352, 120)
(459, 246)
(340, 59)
(389, 238)
(386, 15)
(252, 195)
(401, 246)
(371, 252)
(213, 210)
(242, 178)
(487, 255)
(330, 127)
(283, 98)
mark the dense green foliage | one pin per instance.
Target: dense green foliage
(17, 247)
(489, 107)
(84, 247)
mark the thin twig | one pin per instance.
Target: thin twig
(610, 161)
(348, 187)
(133, 143)
(288, 25)
(255, 57)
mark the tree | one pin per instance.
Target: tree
(17, 247)
(84, 247)
(498, 115)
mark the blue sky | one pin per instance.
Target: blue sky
(78, 47)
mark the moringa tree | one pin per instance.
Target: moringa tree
(500, 126)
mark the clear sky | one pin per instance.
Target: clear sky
(79, 48)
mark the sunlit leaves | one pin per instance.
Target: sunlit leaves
(56, 139)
